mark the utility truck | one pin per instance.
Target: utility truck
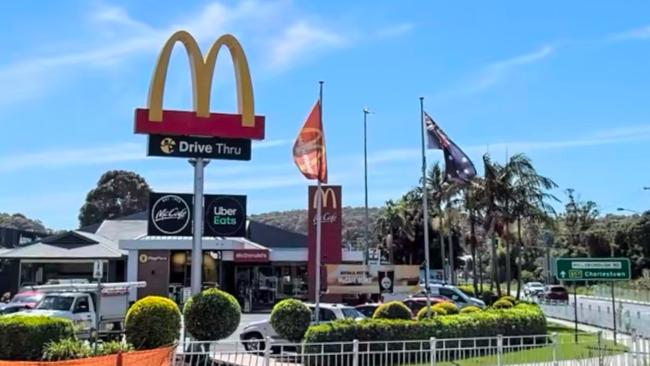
(92, 307)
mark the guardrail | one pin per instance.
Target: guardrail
(627, 321)
(621, 293)
(551, 350)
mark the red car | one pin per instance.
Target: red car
(417, 303)
(27, 298)
(556, 293)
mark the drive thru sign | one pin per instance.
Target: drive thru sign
(583, 269)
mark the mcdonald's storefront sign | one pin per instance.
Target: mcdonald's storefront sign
(201, 122)
(331, 228)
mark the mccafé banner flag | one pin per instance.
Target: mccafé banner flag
(309, 148)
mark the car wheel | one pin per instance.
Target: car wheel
(254, 343)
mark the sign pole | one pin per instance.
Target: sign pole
(319, 217)
(614, 311)
(197, 235)
(425, 213)
(575, 303)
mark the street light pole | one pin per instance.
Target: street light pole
(365, 178)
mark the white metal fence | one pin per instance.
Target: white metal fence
(627, 321)
(605, 291)
(551, 350)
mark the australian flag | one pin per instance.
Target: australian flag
(458, 167)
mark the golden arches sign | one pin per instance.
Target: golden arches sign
(243, 125)
(325, 192)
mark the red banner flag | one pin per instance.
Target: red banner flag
(309, 148)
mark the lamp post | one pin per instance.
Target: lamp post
(365, 183)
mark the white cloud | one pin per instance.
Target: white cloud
(597, 138)
(395, 30)
(257, 145)
(73, 157)
(298, 40)
(634, 34)
(496, 72)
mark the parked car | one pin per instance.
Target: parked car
(556, 293)
(28, 299)
(13, 308)
(253, 334)
(533, 289)
(367, 309)
(454, 294)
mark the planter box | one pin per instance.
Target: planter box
(153, 357)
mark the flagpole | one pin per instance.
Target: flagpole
(319, 216)
(425, 210)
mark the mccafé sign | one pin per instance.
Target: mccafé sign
(245, 124)
(329, 201)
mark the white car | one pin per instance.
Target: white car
(533, 289)
(254, 333)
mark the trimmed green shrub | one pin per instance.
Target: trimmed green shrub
(509, 298)
(393, 310)
(502, 304)
(153, 322)
(467, 290)
(470, 309)
(67, 349)
(23, 337)
(435, 311)
(449, 307)
(113, 347)
(212, 315)
(522, 319)
(291, 318)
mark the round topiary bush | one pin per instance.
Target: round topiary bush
(423, 314)
(23, 337)
(470, 309)
(502, 304)
(212, 315)
(153, 322)
(449, 307)
(509, 298)
(291, 318)
(393, 310)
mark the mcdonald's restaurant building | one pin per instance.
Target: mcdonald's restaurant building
(263, 266)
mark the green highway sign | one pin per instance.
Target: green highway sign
(590, 269)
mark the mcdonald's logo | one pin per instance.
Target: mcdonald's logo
(200, 122)
(327, 192)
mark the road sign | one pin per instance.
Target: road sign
(98, 269)
(199, 147)
(589, 269)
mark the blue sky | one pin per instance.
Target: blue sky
(564, 82)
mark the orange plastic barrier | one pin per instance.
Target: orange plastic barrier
(153, 357)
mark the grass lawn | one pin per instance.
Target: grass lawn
(567, 349)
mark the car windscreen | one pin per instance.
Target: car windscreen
(352, 313)
(55, 303)
(558, 289)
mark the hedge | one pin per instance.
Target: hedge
(212, 315)
(449, 307)
(23, 337)
(435, 311)
(470, 309)
(290, 318)
(509, 298)
(502, 304)
(393, 310)
(153, 322)
(524, 319)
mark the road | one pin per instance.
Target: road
(598, 312)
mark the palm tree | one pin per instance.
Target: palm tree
(511, 191)
(472, 202)
(440, 194)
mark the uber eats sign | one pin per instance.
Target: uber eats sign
(225, 215)
(171, 214)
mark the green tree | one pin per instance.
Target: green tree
(118, 193)
(21, 222)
